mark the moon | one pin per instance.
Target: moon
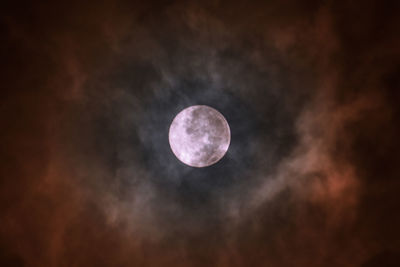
(199, 136)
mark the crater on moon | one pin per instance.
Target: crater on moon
(199, 136)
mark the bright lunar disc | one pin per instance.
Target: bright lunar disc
(199, 136)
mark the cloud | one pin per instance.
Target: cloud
(309, 96)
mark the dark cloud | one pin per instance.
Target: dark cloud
(310, 93)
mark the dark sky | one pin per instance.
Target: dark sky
(310, 90)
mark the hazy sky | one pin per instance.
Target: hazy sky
(310, 90)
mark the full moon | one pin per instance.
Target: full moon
(199, 136)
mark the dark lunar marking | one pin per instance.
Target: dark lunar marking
(207, 150)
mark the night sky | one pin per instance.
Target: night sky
(311, 92)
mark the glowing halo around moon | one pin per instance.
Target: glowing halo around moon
(199, 136)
